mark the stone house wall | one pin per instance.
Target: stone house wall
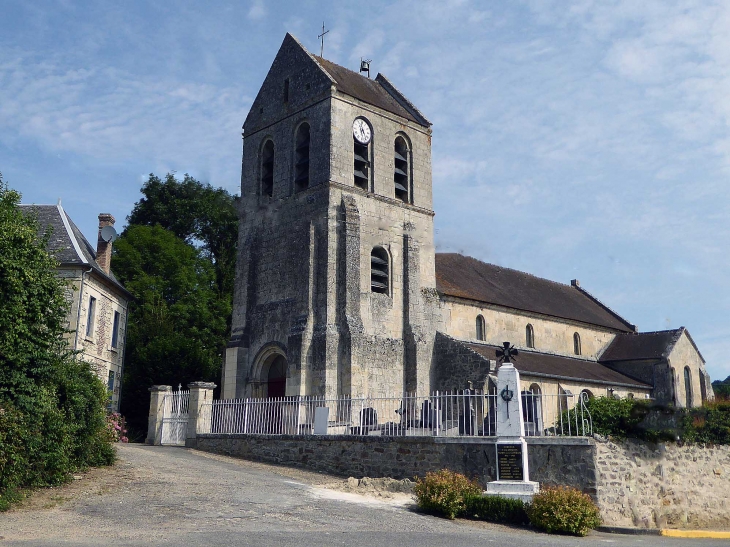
(97, 348)
(685, 354)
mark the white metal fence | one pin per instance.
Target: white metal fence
(175, 417)
(441, 414)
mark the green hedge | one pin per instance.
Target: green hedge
(495, 509)
(52, 406)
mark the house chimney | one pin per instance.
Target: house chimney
(104, 248)
(573, 282)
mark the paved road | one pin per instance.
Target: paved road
(175, 496)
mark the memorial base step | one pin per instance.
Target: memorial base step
(517, 490)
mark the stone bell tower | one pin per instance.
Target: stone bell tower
(335, 286)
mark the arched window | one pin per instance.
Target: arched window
(586, 394)
(576, 343)
(301, 159)
(401, 173)
(379, 270)
(688, 387)
(703, 387)
(267, 169)
(481, 328)
(362, 139)
(529, 336)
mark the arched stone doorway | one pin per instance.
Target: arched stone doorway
(276, 377)
(270, 372)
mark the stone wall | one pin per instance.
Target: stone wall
(665, 485)
(551, 460)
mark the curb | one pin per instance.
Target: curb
(697, 534)
(709, 534)
(629, 531)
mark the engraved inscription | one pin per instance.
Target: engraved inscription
(509, 462)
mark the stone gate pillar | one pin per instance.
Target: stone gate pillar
(201, 393)
(154, 420)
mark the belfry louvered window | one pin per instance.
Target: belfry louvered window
(379, 270)
(267, 169)
(361, 168)
(301, 162)
(400, 173)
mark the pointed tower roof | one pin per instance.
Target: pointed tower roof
(322, 74)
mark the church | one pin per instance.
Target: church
(339, 291)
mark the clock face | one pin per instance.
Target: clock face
(361, 131)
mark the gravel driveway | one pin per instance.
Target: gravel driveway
(176, 496)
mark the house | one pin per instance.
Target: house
(339, 289)
(97, 319)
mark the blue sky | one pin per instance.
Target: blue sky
(571, 138)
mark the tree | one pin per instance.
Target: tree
(52, 407)
(197, 213)
(722, 389)
(178, 320)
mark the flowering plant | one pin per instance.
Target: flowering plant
(116, 427)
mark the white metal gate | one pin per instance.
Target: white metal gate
(175, 417)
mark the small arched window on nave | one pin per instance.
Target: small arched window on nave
(379, 270)
(576, 343)
(529, 336)
(481, 328)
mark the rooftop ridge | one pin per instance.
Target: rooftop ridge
(607, 308)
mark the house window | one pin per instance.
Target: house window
(361, 150)
(110, 382)
(401, 176)
(529, 336)
(301, 160)
(267, 169)
(481, 328)
(576, 343)
(688, 386)
(379, 270)
(115, 330)
(90, 317)
(703, 388)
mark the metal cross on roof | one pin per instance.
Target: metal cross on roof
(509, 351)
(321, 37)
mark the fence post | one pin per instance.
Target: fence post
(154, 420)
(198, 416)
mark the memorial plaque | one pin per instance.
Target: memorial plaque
(509, 462)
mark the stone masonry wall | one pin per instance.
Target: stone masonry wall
(551, 460)
(665, 485)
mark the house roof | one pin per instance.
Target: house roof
(67, 243)
(378, 92)
(533, 363)
(644, 346)
(466, 277)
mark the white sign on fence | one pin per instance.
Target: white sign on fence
(321, 417)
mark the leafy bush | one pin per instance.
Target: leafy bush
(52, 407)
(708, 424)
(444, 492)
(495, 509)
(563, 510)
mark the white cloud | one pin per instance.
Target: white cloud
(257, 11)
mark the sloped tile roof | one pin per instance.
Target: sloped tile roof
(369, 91)
(67, 243)
(466, 277)
(644, 346)
(559, 366)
